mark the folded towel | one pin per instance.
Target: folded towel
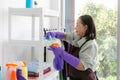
(33, 66)
(46, 65)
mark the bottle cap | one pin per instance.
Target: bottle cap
(25, 64)
(11, 64)
(55, 44)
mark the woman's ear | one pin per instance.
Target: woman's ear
(86, 27)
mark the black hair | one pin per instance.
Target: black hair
(91, 30)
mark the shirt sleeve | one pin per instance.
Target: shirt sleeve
(88, 56)
(71, 36)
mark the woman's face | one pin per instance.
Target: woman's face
(80, 28)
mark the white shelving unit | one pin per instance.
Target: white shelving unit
(37, 44)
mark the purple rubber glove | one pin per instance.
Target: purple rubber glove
(58, 35)
(58, 63)
(73, 61)
(19, 75)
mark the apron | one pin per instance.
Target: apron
(75, 74)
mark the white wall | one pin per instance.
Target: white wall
(4, 5)
(4, 22)
(1, 30)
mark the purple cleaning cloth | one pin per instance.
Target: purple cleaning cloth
(58, 63)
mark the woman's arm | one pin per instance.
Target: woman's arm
(80, 66)
(88, 56)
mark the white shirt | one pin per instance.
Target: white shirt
(88, 52)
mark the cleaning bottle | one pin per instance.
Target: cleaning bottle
(19, 75)
(1, 76)
(11, 71)
(25, 71)
(55, 44)
(19, 70)
(29, 3)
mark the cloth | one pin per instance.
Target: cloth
(33, 66)
(88, 53)
(58, 63)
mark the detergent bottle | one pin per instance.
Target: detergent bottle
(11, 71)
(19, 70)
(25, 70)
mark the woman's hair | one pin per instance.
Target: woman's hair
(91, 30)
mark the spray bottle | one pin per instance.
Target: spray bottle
(1, 76)
(25, 70)
(11, 71)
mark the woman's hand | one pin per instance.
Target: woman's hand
(58, 35)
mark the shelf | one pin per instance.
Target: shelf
(50, 75)
(31, 43)
(24, 43)
(36, 12)
(38, 44)
(51, 13)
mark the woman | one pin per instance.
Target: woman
(82, 56)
